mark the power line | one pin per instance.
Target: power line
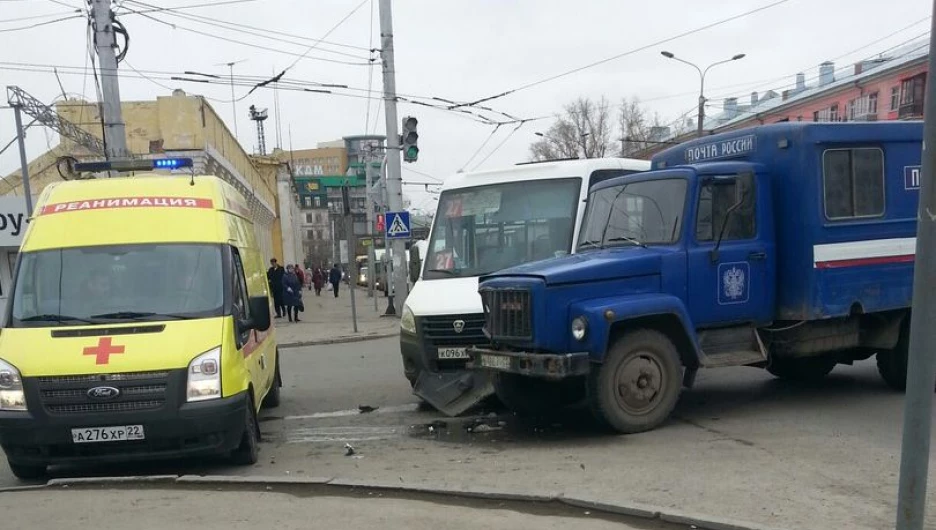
(497, 148)
(480, 147)
(427, 175)
(624, 54)
(40, 24)
(35, 17)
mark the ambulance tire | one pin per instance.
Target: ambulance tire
(638, 385)
(248, 452)
(27, 472)
(530, 396)
(272, 399)
(807, 369)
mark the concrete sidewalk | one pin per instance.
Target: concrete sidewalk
(327, 320)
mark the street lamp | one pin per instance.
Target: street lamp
(702, 73)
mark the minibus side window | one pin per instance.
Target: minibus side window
(241, 309)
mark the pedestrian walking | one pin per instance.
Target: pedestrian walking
(318, 281)
(300, 274)
(292, 294)
(275, 279)
(308, 277)
(334, 277)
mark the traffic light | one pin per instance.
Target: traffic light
(409, 139)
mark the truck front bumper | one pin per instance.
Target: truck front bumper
(544, 365)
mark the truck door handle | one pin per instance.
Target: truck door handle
(757, 255)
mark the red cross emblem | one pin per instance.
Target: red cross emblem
(103, 350)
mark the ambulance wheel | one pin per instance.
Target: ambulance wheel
(248, 452)
(272, 399)
(530, 396)
(807, 369)
(27, 472)
(638, 385)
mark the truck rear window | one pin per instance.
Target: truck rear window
(853, 182)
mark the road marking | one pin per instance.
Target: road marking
(341, 434)
(410, 407)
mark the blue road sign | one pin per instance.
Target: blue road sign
(398, 225)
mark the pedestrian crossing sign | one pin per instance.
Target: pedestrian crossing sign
(398, 225)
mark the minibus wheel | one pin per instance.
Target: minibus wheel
(272, 399)
(248, 452)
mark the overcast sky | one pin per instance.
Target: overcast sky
(457, 50)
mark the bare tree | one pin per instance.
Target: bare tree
(585, 125)
(639, 130)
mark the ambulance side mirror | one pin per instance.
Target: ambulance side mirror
(259, 314)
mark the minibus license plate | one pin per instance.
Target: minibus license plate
(497, 362)
(453, 353)
(120, 433)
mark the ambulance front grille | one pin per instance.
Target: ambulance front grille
(70, 394)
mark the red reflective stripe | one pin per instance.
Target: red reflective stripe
(256, 339)
(883, 260)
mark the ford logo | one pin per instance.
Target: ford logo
(103, 392)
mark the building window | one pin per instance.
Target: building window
(895, 98)
(309, 218)
(319, 232)
(912, 91)
(716, 200)
(853, 182)
(815, 116)
(318, 201)
(318, 218)
(310, 235)
(307, 201)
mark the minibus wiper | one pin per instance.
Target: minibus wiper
(138, 315)
(53, 318)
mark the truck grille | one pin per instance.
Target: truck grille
(508, 313)
(69, 394)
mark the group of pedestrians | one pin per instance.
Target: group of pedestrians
(286, 286)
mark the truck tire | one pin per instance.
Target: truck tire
(807, 369)
(638, 385)
(530, 396)
(892, 364)
(248, 452)
(26, 471)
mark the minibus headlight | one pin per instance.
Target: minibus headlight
(408, 320)
(204, 377)
(12, 396)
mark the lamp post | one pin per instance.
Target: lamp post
(702, 73)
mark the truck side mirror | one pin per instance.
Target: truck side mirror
(744, 185)
(414, 263)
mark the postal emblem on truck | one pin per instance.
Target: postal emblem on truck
(733, 280)
(459, 326)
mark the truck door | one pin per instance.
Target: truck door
(731, 256)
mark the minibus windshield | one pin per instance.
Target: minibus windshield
(92, 285)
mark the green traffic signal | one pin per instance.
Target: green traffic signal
(411, 153)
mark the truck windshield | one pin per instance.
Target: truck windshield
(635, 213)
(487, 228)
(92, 285)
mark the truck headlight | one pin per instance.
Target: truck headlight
(204, 376)
(12, 396)
(579, 328)
(408, 320)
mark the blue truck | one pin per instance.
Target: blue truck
(787, 246)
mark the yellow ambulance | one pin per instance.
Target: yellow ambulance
(138, 326)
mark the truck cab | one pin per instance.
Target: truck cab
(788, 247)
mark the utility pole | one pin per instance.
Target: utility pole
(369, 200)
(349, 234)
(394, 179)
(24, 163)
(105, 44)
(921, 364)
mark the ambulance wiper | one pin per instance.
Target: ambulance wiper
(54, 318)
(139, 316)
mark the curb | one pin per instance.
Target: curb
(339, 340)
(703, 522)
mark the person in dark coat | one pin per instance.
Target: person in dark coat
(275, 278)
(318, 281)
(292, 293)
(334, 278)
(300, 274)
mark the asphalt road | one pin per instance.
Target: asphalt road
(741, 445)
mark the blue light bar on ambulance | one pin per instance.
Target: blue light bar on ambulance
(134, 165)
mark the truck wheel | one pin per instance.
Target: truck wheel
(529, 396)
(808, 369)
(638, 385)
(248, 452)
(27, 472)
(272, 399)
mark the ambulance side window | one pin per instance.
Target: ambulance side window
(241, 309)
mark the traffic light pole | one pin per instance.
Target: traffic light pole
(394, 181)
(921, 367)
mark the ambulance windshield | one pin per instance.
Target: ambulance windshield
(487, 228)
(92, 285)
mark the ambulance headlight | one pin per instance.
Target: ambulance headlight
(204, 377)
(11, 388)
